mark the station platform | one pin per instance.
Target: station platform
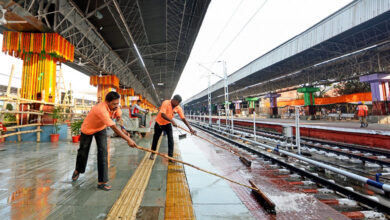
(37, 185)
(375, 135)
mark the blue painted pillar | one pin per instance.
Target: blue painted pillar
(273, 100)
(379, 83)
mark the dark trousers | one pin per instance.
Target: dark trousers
(158, 129)
(82, 154)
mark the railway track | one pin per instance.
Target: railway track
(372, 162)
(321, 183)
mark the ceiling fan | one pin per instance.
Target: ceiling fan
(80, 63)
(4, 21)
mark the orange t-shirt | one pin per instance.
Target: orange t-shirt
(99, 118)
(166, 108)
(362, 110)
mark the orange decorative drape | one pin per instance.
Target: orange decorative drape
(18, 43)
(38, 76)
(105, 85)
(108, 80)
(125, 93)
(40, 53)
(356, 97)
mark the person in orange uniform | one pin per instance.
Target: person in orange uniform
(94, 125)
(362, 111)
(164, 122)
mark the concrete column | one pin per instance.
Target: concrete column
(308, 97)
(237, 106)
(273, 100)
(252, 104)
(379, 83)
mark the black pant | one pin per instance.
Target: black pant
(82, 154)
(158, 129)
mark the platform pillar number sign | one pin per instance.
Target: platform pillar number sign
(273, 100)
(41, 53)
(379, 83)
(105, 84)
(308, 97)
(252, 104)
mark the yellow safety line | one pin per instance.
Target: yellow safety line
(126, 206)
(178, 204)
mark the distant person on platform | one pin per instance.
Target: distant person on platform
(362, 112)
(164, 122)
(135, 112)
(94, 125)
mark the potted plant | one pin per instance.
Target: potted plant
(54, 137)
(75, 130)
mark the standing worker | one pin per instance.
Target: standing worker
(135, 112)
(362, 111)
(164, 122)
(95, 124)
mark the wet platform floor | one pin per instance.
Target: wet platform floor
(37, 183)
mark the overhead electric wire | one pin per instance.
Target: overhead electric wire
(238, 34)
(226, 24)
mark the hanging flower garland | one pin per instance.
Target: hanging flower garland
(18, 43)
(40, 53)
(109, 80)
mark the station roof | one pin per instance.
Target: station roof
(314, 55)
(145, 43)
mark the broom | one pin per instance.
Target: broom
(245, 161)
(181, 135)
(268, 205)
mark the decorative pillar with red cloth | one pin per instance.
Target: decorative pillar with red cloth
(273, 100)
(379, 83)
(237, 106)
(308, 97)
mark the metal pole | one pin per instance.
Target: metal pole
(297, 133)
(226, 92)
(232, 123)
(254, 125)
(209, 100)
(219, 121)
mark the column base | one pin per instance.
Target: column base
(381, 108)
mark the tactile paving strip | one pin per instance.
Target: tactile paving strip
(126, 206)
(178, 204)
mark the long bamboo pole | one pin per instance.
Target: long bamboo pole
(22, 112)
(20, 132)
(198, 168)
(11, 128)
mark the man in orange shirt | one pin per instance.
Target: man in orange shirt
(94, 125)
(164, 122)
(362, 111)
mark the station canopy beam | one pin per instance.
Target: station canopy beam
(144, 43)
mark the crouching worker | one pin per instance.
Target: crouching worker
(164, 122)
(94, 125)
